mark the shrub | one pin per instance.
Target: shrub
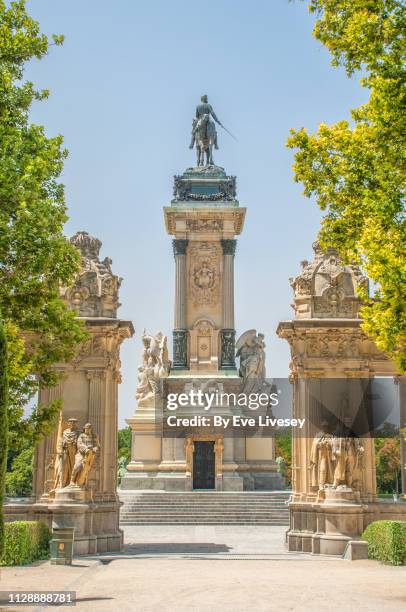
(386, 541)
(24, 542)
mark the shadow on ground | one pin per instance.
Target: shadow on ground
(157, 548)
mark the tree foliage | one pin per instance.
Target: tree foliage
(283, 448)
(124, 443)
(387, 462)
(3, 423)
(19, 474)
(356, 170)
(35, 256)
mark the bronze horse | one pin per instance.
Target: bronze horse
(205, 137)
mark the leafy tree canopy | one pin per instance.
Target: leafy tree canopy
(35, 256)
(124, 443)
(356, 170)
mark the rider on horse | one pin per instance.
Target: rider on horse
(203, 109)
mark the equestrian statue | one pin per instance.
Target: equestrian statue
(204, 133)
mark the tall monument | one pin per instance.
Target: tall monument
(204, 217)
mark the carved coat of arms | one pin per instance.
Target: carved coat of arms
(204, 273)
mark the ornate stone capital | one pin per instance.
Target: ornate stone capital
(179, 246)
(93, 374)
(229, 247)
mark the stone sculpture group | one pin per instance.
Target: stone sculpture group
(155, 366)
(75, 454)
(335, 458)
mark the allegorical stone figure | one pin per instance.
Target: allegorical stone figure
(321, 459)
(65, 452)
(250, 349)
(251, 352)
(87, 448)
(155, 365)
(347, 454)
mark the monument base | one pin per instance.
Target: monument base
(144, 475)
(328, 523)
(96, 523)
(154, 480)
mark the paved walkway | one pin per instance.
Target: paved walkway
(218, 569)
(208, 540)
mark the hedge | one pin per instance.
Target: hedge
(386, 541)
(24, 542)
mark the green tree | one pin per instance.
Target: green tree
(35, 256)
(124, 443)
(19, 474)
(3, 423)
(387, 462)
(283, 448)
(356, 171)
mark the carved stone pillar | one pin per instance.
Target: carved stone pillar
(96, 380)
(228, 331)
(180, 324)
(44, 459)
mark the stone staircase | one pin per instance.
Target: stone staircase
(204, 508)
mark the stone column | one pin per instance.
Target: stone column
(180, 328)
(96, 380)
(43, 473)
(228, 331)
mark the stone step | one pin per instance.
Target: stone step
(183, 521)
(180, 513)
(199, 499)
(207, 504)
(207, 507)
(203, 491)
(204, 508)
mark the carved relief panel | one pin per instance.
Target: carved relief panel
(204, 273)
(204, 346)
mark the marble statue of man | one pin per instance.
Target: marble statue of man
(66, 450)
(347, 452)
(321, 459)
(204, 108)
(87, 449)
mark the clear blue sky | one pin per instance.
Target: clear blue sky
(123, 92)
